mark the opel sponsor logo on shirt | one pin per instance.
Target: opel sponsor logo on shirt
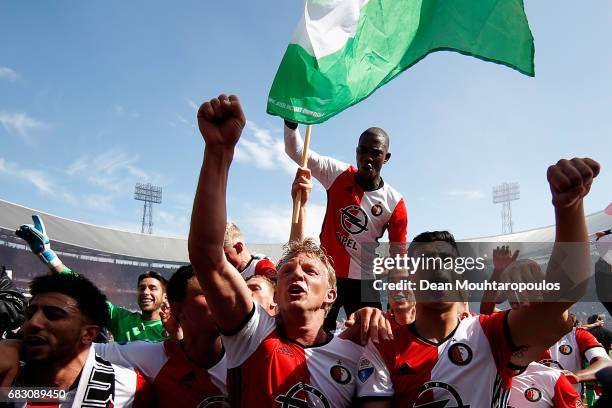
(533, 394)
(565, 349)
(445, 396)
(303, 395)
(353, 219)
(218, 401)
(460, 354)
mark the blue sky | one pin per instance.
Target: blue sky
(96, 96)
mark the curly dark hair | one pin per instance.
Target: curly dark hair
(90, 300)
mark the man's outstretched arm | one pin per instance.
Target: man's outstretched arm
(221, 121)
(540, 324)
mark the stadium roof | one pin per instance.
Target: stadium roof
(175, 249)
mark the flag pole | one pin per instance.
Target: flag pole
(298, 197)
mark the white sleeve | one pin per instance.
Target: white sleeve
(323, 168)
(240, 345)
(374, 379)
(593, 352)
(147, 357)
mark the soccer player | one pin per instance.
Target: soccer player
(124, 324)
(64, 316)
(285, 361)
(360, 207)
(540, 386)
(441, 361)
(262, 288)
(187, 373)
(239, 256)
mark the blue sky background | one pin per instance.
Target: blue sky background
(96, 96)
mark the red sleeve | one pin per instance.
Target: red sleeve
(586, 341)
(565, 395)
(398, 225)
(143, 396)
(266, 268)
(495, 327)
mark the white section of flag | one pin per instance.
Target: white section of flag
(327, 25)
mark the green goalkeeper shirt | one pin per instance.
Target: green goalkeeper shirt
(129, 326)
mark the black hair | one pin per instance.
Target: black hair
(431, 236)
(177, 285)
(375, 131)
(154, 275)
(592, 319)
(90, 300)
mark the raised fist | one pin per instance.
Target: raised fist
(221, 121)
(570, 180)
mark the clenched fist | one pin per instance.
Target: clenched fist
(570, 180)
(221, 121)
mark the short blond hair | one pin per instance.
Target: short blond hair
(309, 247)
(232, 235)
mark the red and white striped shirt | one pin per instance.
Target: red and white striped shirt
(542, 387)
(355, 219)
(266, 369)
(468, 368)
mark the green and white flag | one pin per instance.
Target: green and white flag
(343, 50)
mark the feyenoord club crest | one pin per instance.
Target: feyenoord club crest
(340, 374)
(218, 401)
(446, 396)
(565, 349)
(533, 394)
(460, 354)
(353, 219)
(377, 210)
(299, 396)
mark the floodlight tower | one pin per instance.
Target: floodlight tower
(149, 194)
(506, 193)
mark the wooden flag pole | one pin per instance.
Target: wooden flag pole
(298, 198)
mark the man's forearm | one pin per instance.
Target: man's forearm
(588, 374)
(209, 216)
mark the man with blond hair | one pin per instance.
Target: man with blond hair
(285, 361)
(238, 255)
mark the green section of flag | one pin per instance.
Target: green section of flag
(391, 36)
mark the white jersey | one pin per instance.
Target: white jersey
(266, 367)
(540, 386)
(569, 352)
(103, 384)
(175, 378)
(354, 219)
(468, 368)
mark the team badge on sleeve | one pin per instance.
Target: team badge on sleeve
(365, 369)
(565, 349)
(460, 354)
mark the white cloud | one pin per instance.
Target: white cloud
(8, 73)
(273, 224)
(263, 150)
(40, 180)
(466, 194)
(20, 124)
(113, 170)
(192, 104)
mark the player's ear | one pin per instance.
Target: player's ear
(330, 296)
(387, 157)
(89, 333)
(239, 246)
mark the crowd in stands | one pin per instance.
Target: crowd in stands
(234, 329)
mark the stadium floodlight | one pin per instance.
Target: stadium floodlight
(150, 195)
(505, 193)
